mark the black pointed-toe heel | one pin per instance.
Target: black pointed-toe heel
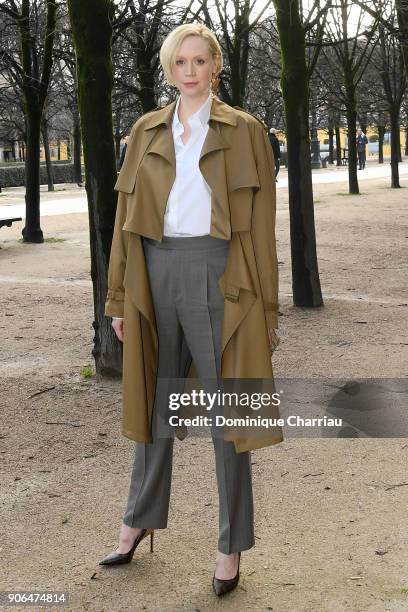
(224, 586)
(120, 558)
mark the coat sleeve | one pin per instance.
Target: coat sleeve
(263, 224)
(117, 262)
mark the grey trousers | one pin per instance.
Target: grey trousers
(189, 308)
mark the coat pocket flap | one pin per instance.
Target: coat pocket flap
(125, 181)
(246, 178)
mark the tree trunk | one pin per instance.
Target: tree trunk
(77, 149)
(147, 87)
(35, 89)
(406, 140)
(338, 146)
(238, 53)
(91, 24)
(117, 145)
(32, 231)
(402, 16)
(395, 145)
(46, 143)
(352, 148)
(381, 132)
(295, 90)
(331, 145)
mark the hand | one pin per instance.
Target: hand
(117, 325)
(273, 338)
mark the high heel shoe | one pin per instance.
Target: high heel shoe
(221, 587)
(120, 558)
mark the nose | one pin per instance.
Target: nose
(190, 69)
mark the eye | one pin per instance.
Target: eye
(200, 61)
(178, 62)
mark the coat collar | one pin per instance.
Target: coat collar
(220, 111)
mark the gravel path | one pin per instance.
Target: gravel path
(331, 521)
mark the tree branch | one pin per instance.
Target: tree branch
(48, 49)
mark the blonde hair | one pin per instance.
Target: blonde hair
(173, 41)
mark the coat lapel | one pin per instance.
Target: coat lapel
(212, 167)
(163, 145)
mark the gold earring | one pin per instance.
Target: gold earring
(215, 81)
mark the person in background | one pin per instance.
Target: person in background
(123, 152)
(276, 150)
(361, 142)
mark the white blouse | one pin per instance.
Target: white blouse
(188, 209)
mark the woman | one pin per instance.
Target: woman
(193, 283)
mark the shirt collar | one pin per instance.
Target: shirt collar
(200, 117)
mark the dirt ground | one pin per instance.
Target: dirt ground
(331, 527)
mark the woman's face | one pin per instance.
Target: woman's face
(193, 67)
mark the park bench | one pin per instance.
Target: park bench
(9, 221)
(344, 159)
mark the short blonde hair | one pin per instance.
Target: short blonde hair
(173, 41)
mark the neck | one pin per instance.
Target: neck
(188, 106)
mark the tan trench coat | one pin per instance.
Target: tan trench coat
(237, 162)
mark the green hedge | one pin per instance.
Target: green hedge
(14, 176)
(14, 164)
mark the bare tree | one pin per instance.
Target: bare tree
(235, 40)
(376, 10)
(12, 120)
(295, 89)
(65, 83)
(348, 57)
(394, 81)
(30, 69)
(91, 23)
